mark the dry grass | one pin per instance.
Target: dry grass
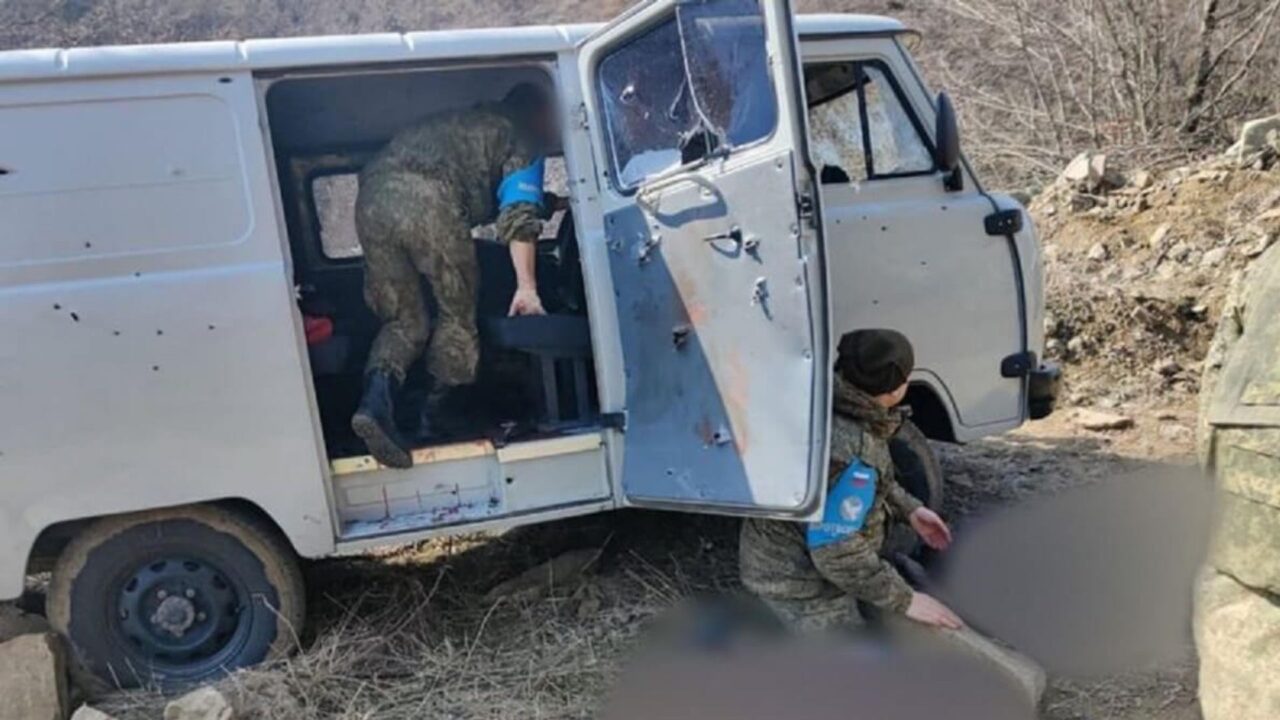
(411, 635)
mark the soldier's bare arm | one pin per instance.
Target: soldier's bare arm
(524, 260)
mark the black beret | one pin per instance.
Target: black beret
(875, 361)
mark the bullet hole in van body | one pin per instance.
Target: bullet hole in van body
(213, 327)
(115, 333)
(87, 245)
(224, 80)
(75, 317)
(159, 332)
(5, 171)
(57, 306)
(155, 368)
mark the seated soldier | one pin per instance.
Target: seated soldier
(814, 575)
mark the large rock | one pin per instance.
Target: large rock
(15, 622)
(1091, 173)
(33, 678)
(1258, 136)
(203, 704)
(1238, 640)
(1023, 677)
(1029, 677)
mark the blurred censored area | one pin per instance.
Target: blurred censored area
(1093, 580)
(859, 679)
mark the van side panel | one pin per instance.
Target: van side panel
(149, 349)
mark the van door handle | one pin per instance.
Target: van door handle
(734, 233)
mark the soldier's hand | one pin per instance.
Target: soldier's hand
(931, 528)
(526, 302)
(929, 611)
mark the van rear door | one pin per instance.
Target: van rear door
(715, 254)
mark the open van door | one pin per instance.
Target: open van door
(711, 222)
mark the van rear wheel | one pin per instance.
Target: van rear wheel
(175, 597)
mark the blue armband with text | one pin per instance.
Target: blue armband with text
(522, 186)
(847, 506)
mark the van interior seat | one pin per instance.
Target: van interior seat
(555, 342)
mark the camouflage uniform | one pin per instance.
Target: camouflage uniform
(1237, 623)
(418, 200)
(818, 589)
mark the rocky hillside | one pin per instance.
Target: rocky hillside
(1138, 263)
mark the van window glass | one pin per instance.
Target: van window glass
(896, 146)
(335, 202)
(860, 126)
(693, 85)
(835, 124)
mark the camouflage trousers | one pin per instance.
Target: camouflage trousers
(1237, 620)
(411, 227)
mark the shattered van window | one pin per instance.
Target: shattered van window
(728, 68)
(646, 104)
(693, 85)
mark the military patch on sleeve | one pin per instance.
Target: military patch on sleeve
(522, 186)
(847, 505)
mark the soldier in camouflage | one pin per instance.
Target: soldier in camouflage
(418, 200)
(813, 576)
(1237, 619)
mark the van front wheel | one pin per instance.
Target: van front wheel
(175, 597)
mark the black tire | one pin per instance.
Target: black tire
(172, 598)
(917, 466)
(918, 471)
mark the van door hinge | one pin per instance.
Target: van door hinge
(804, 206)
(614, 421)
(1018, 365)
(1004, 222)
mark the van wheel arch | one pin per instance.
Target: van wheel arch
(248, 558)
(929, 413)
(53, 539)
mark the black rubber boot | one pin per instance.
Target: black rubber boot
(375, 421)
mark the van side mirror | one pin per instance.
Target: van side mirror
(947, 145)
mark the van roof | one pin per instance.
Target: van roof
(267, 54)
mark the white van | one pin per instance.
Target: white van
(175, 218)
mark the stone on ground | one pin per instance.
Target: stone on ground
(33, 678)
(15, 622)
(1098, 420)
(1025, 672)
(203, 704)
(1258, 136)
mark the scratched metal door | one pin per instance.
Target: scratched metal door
(715, 257)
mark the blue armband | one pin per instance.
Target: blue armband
(522, 186)
(847, 506)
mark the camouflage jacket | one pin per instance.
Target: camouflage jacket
(1240, 427)
(469, 152)
(775, 559)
